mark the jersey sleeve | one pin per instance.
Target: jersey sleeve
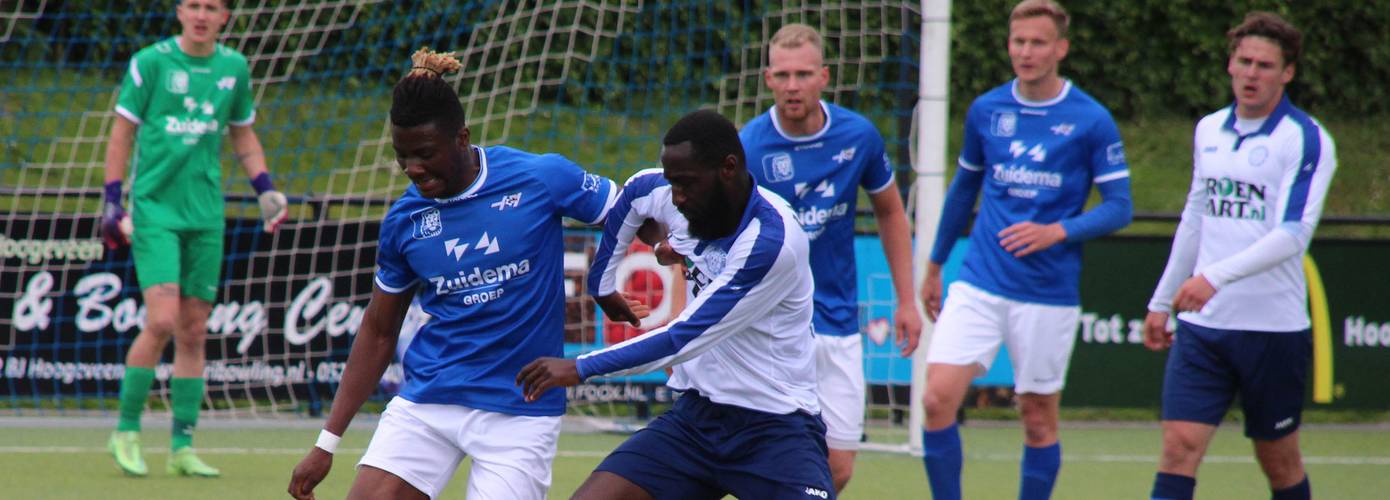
(1110, 174)
(393, 273)
(633, 207)
(243, 104)
(1107, 160)
(577, 194)
(749, 285)
(878, 168)
(137, 87)
(972, 150)
(1307, 176)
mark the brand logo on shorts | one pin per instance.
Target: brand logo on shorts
(1283, 423)
(816, 492)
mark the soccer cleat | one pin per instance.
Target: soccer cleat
(125, 448)
(186, 463)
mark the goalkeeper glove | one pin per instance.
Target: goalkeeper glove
(115, 224)
(274, 207)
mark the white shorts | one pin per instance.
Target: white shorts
(424, 444)
(1039, 336)
(840, 385)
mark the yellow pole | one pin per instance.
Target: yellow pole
(1322, 332)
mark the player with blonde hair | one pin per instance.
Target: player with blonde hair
(1035, 147)
(817, 155)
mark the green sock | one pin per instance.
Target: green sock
(187, 396)
(135, 389)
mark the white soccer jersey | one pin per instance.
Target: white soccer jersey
(745, 337)
(1254, 204)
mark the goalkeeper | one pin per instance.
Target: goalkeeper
(189, 90)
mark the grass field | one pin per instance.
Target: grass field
(1102, 461)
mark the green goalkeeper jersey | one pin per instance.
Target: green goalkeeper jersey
(183, 105)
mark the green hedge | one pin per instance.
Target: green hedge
(1138, 57)
(1169, 56)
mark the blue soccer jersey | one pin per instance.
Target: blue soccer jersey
(819, 175)
(1037, 161)
(490, 265)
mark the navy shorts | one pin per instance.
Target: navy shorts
(1208, 367)
(705, 450)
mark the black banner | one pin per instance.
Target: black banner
(287, 307)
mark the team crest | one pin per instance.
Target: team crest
(1115, 153)
(178, 82)
(713, 260)
(427, 223)
(591, 182)
(1258, 156)
(778, 167)
(1003, 124)
(701, 275)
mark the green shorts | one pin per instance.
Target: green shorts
(190, 258)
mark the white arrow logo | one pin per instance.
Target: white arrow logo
(453, 248)
(826, 189)
(490, 244)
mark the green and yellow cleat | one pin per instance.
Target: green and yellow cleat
(184, 462)
(125, 448)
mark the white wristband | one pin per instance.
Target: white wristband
(327, 441)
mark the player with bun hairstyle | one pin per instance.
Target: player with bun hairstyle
(478, 235)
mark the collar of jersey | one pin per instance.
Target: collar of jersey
(754, 198)
(1271, 121)
(477, 183)
(772, 113)
(178, 49)
(1066, 89)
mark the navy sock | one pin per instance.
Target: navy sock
(942, 456)
(1173, 487)
(1039, 471)
(1300, 491)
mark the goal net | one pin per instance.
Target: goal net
(597, 81)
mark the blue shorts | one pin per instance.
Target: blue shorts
(705, 450)
(1208, 367)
